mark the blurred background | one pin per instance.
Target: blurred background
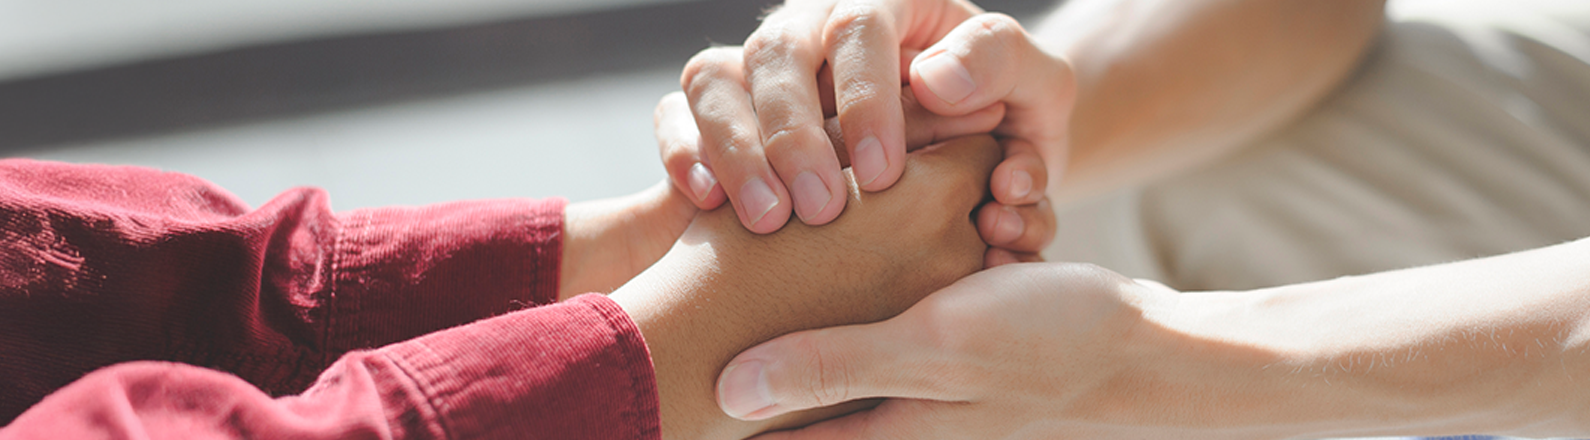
(380, 102)
(406, 102)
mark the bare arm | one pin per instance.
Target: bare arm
(1163, 85)
(1497, 345)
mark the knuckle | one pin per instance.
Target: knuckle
(776, 47)
(735, 146)
(794, 140)
(670, 103)
(853, 21)
(679, 158)
(1002, 29)
(1000, 34)
(861, 96)
(710, 64)
(673, 99)
(833, 376)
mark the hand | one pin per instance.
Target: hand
(722, 289)
(760, 110)
(1019, 351)
(1018, 232)
(1485, 346)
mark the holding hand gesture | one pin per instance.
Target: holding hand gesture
(760, 109)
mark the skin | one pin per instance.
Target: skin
(1067, 351)
(1166, 85)
(607, 242)
(760, 111)
(1105, 94)
(722, 289)
(1052, 350)
(1015, 232)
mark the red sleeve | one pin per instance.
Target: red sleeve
(101, 265)
(576, 370)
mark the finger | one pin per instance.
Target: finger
(923, 128)
(863, 39)
(825, 91)
(680, 144)
(1024, 228)
(824, 367)
(1022, 177)
(907, 55)
(989, 58)
(825, 85)
(714, 84)
(996, 257)
(782, 58)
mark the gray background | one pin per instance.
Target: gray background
(380, 103)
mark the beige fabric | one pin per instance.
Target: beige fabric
(1466, 132)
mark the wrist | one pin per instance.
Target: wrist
(1273, 364)
(1428, 351)
(721, 290)
(1205, 347)
(607, 242)
(575, 261)
(694, 319)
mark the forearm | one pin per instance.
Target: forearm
(1482, 346)
(1165, 84)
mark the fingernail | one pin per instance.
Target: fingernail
(810, 195)
(743, 390)
(1009, 227)
(869, 162)
(944, 75)
(1020, 184)
(701, 181)
(758, 198)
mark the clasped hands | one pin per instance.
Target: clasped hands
(878, 304)
(769, 129)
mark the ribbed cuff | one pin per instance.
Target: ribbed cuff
(575, 370)
(402, 272)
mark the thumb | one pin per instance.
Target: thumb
(989, 59)
(922, 127)
(818, 368)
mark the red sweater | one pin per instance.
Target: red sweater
(107, 268)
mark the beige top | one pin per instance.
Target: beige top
(1466, 132)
